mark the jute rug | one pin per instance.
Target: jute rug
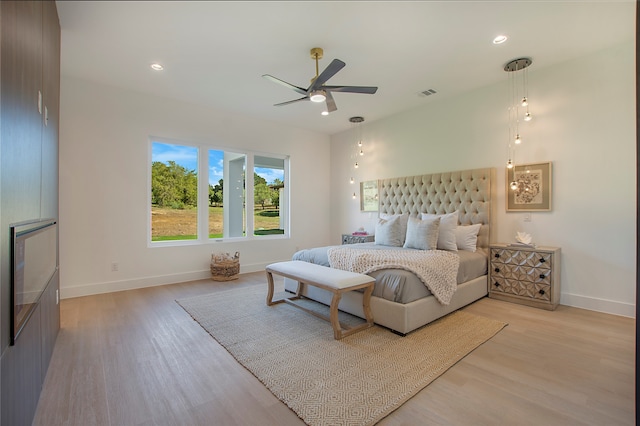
(357, 380)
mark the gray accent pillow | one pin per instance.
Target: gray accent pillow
(447, 230)
(389, 232)
(402, 219)
(422, 234)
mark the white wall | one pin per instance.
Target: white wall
(104, 135)
(584, 123)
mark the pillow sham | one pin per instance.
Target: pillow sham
(402, 218)
(446, 234)
(467, 237)
(422, 234)
(389, 232)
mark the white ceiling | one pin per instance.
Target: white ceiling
(215, 53)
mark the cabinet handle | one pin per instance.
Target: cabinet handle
(496, 284)
(542, 260)
(497, 255)
(542, 276)
(541, 291)
(497, 270)
(39, 102)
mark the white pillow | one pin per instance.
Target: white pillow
(448, 225)
(389, 232)
(402, 218)
(467, 237)
(422, 234)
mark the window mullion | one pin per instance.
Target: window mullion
(249, 196)
(203, 194)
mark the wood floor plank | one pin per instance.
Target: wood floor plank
(137, 358)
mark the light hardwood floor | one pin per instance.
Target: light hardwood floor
(137, 358)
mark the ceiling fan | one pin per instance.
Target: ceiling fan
(318, 91)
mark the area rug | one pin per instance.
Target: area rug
(357, 380)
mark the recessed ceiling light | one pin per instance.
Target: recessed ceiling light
(500, 39)
(325, 113)
(157, 67)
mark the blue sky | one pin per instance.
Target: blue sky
(187, 157)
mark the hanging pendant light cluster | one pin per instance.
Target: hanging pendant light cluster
(358, 146)
(518, 107)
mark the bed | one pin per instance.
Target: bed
(401, 301)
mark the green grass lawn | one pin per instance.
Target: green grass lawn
(178, 225)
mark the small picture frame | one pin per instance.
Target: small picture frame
(533, 188)
(369, 196)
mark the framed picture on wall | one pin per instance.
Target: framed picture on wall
(369, 196)
(529, 188)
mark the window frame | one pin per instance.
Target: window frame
(203, 195)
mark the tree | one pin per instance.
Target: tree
(275, 197)
(261, 193)
(257, 179)
(215, 194)
(173, 186)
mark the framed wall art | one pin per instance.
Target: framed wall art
(529, 188)
(369, 196)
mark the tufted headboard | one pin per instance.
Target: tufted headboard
(470, 192)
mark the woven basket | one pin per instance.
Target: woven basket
(225, 267)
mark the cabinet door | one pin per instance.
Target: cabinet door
(21, 133)
(51, 102)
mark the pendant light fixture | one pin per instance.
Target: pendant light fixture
(517, 108)
(358, 147)
(356, 121)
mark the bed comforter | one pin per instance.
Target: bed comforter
(401, 285)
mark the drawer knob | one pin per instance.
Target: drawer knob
(497, 270)
(542, 260)
(541, 291)
(542, 276)
(497, 255)
(496, 284)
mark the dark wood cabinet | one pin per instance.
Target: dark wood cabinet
(29, 117)
(51, 109)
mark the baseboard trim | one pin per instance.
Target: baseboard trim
(599, 305)
(132, 284)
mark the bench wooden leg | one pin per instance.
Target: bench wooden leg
(333, 315)
(366, 304)
(270, 289)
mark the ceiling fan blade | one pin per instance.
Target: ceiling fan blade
(284, 83)
(306, 98)
(331, 103)
(335, 66)
(351, 89)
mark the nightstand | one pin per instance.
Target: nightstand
(529, 276)
(355, 239)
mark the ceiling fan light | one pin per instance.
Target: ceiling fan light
(318, 96)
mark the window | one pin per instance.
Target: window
(185, 208)
(226, 202)
(174, 192)
(268, 191)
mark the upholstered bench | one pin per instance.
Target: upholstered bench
(335, 281)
